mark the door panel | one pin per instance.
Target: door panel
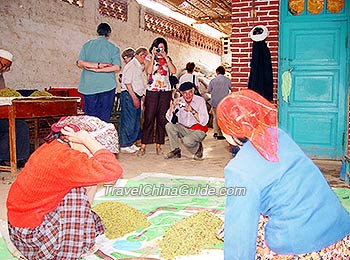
(317, 134)
(314, 115)
(309, 50)
(311, 88)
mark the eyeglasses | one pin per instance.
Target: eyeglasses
(188, 92)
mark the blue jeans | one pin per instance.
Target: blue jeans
(22, 140)
(129, 129)
(99, 105)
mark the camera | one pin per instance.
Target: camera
(159, 49)
(182, 104)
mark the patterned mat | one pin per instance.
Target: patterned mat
(165, 199)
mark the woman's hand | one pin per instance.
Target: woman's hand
(154, 51)
(75, 137)
(82, 137)
(159, 52)
(94, 66)
(136, 102)
(104, 65)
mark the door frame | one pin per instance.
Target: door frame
(287, 17)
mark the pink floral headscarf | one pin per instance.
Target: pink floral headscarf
(247, 114)
(104, 133)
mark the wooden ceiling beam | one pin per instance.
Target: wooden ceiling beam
(224, 6)
(208, 19)
(206, 5)
(176, 2)
(170, 2)
(219, 21)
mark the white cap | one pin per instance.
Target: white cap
(6, 55)
(259, 33)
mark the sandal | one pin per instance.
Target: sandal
(159, 150)
(141, 152)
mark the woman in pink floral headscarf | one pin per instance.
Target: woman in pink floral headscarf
(49, 204)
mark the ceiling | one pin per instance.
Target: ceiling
(215, 13)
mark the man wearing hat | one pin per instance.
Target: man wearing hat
(188, 118)
(22, 130)
(5, 64)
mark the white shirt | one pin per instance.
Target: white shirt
(187, 118)
(133, 74)
(189, 78)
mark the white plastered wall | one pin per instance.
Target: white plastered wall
(45, 38)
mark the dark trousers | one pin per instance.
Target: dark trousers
(99, 105)
(156, 105)
(22, 140)
(129, 129)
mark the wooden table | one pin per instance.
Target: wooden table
(33, 108)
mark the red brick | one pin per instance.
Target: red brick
(240, 55)
(266, 8)
(245, 69)
(268, 15)
(240, 65)
(238, 5)
(274, 13)
(239, 75)
(241, 45)
(264, 13)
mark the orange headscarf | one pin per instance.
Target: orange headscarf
(247, 114)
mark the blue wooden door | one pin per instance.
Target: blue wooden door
(315, 114)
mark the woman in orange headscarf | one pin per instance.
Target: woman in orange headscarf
(288, 209)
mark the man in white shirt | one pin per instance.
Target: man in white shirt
(190, 76)
(188, 118)
(132, 90)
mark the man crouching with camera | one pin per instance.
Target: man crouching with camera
(188, 121)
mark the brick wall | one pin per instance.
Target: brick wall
(247, 14)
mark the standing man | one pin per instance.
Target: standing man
(190, 76)
(22, 130)
(99, 60)
(188, 118)
(219, 87)
(133, 89)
